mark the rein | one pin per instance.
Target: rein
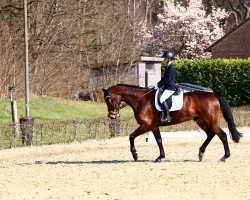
(143, 96)
(147, 92)
(151, 90)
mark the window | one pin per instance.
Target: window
(149, 66)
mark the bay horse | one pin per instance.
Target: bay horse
(202, 107)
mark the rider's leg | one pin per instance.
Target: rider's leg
(165, 112)
(164, 106)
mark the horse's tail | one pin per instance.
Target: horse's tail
(228, 116)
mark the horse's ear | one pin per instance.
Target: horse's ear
(106, 93)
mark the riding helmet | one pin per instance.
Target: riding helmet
(168, 54)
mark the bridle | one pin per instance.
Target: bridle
(115, 112)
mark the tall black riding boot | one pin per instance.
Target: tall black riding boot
(165, 110)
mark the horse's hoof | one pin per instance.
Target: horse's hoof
(135, 156)
(201, 156)
(223, 159)
(158, 160)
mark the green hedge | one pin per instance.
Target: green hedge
(230, 77)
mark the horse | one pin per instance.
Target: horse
(202, 107)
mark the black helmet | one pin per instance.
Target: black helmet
(168, 54)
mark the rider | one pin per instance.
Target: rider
(167, 84)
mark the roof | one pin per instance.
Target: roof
(113, 63)
(209, 49)
(151, 59)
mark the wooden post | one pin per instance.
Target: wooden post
(26, 50)
(146, 79)
(14, 111)
(15, 123)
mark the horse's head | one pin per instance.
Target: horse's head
(113, 102)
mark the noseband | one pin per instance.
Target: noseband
(114, 103)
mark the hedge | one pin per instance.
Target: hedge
(230, 77)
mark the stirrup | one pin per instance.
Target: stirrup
(168, 120)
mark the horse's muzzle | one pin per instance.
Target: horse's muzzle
(112, 114)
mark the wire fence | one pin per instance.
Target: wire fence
(41, 133)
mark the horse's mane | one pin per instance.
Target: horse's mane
(130, 86)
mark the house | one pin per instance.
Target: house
(234, 44)
(149, 71)
(144, 72)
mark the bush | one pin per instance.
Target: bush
(230, 77)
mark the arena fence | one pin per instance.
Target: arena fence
(42, 133)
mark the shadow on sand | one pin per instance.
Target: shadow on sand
(108, 162)
(93, 162)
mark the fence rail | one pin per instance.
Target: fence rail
(67, 132)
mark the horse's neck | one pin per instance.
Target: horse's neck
(133, 99)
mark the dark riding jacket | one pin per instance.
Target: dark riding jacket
(168, 80)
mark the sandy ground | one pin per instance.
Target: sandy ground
(105, 170)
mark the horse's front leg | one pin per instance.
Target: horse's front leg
(158, 139)
(140, 130)
(210, 136)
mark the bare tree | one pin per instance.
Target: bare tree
(239, 10)
(67, 39)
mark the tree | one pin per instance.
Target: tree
(239, 10)
(185, 30)
(66, 40)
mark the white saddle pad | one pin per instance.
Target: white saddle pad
(177, 101)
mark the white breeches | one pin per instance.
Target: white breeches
(166, 94)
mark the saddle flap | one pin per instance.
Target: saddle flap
(177, 101)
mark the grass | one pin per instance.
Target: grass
(49, 109)
(59, 120)
(59, 109)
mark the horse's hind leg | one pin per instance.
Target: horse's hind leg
(140, 130)
(211, 131)
(210, 136)
(158, 139)
(223, 137)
